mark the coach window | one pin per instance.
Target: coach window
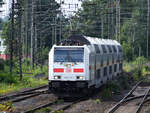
(115, 68)
(102, 61)
(113, 58)
(108, 60)
(96, 48)
(110, 69)
(104, 49)
(98, 73)
(120, 49)
(109, 48)
(105, 71)
(114, 49)
(120, 66)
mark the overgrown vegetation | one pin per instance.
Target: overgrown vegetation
(138, 68)
(109, 89)
(8, 106)
(10, 82)
(44, 110)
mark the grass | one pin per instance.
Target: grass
(26, 83)
(11, 83)
(97, 101)
(139, 68)
(44, 110)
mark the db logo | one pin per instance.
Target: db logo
(68, 70)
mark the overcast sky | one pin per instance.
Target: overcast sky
(5, 8)
(68, 7)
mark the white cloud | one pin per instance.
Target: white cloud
(70, 6)
(5, 8)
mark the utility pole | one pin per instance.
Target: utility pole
(112, 19)
(12, 36)
(27, 27)
(108, 17)
(36, 46)
(118, 20)
(148, 10)
(55, 31)
(102, 26)
(20, 37)
(32, 34)
(60, 30)
(41, 44)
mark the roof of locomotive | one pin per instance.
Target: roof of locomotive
(85, 40)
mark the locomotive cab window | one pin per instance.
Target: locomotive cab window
(68, 54)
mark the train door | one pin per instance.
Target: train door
(98, 70)
(92, 70)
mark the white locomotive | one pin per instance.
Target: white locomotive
(80, 63)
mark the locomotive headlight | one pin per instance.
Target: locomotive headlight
(80, 77)
(57, 77)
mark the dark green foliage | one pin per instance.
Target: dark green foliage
(1, 23)
(123, 82)
(109, 89)
(6, 77)
(1, 65)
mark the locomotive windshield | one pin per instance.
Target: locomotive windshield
(68, 54)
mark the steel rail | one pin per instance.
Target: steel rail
(114, 108)
(20, 94)
(33, 89)
(136, 97)
(142, 102)
(69, 105)
(40, 107)
(52, 103)
(26, 92)
(29, 95)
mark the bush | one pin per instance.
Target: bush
(7, 78)
(140, 62)
(107, 93)
(1, 64)
(7, 62)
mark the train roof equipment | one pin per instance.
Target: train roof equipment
(79, 40)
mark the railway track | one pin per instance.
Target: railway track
(127, 99)
(21, 96)
(55, 107)
(33, 92)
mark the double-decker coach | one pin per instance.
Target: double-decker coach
(80, 63)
